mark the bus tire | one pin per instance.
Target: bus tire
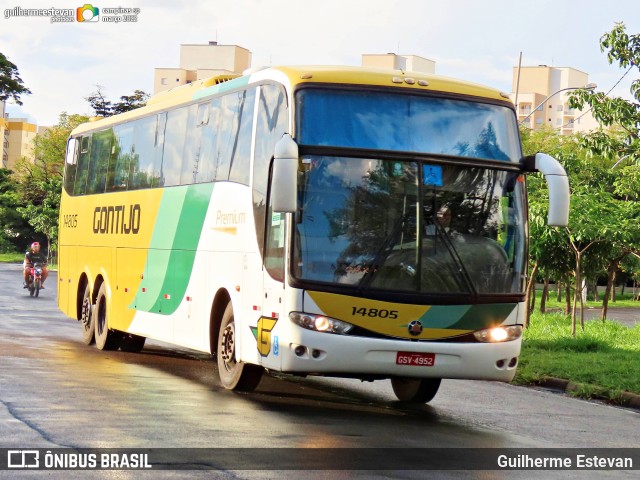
(87, 320)
(415, 390)
(234, 375)
(132, 343)
(105, 339)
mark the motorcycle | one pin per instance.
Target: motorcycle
(34, 283)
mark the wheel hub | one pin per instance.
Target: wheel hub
(85, 315)
(228, 345)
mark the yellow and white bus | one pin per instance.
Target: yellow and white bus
(329, 221)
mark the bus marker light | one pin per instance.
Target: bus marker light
(188, 299)
(167, 296)
(237, 288)
(144, 289)
(423, 83)
(126, 289)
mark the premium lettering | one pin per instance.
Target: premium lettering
(118, 219)
(233, 218)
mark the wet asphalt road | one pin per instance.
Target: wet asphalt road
(56, 392)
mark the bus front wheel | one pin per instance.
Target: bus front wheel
(105, 339)
(234, 375)
(415, 390)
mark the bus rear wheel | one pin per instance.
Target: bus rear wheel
(415, 390)
(105, 339)
(87, 320)
(234, 375)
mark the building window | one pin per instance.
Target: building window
(558, 121)
(163, 81)
(560, 108)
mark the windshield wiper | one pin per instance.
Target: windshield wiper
(383, 252)
(446, 238)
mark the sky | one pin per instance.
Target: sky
(478, 41)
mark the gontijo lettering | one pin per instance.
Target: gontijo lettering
(117, 219)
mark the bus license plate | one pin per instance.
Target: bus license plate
(416, 359)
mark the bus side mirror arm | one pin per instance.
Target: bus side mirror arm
(284, 181)
(557, 183)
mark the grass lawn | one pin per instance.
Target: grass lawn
(604, 358)
(625, 300)
(11, 257)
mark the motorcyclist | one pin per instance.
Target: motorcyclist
(33, 256)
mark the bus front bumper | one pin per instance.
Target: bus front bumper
(343, 355)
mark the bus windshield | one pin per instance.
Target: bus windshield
(409, 226)
(407, 123)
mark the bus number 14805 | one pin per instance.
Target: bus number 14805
(374, 312)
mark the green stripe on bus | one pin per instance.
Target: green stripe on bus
(164, 231)
(467, 317)
(222, 87)
(173, 248)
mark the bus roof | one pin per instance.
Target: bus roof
(297, 75)
(384, 77)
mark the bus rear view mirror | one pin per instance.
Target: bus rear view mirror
(284, 186)
(558, 186)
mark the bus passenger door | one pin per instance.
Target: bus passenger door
(273, 287)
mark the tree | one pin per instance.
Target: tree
(616, 112)
(105, 108)
(99, 103)
(11, 85)
(15, 232)
(39, 183)
(131, 102)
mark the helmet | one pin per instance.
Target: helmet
(35, 244)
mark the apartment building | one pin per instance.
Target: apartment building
(392, 61)
(17, 141)
(199, 61)
(542, 93)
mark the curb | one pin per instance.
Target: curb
(626, 399)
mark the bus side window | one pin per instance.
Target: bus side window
(82, 171)
(145, 164)
(71, 164)
(100, 154)
(274, 254)
(230, 111)
(121, 152)
(270, 126)
(174, 139)
(191, 155)
(241, 152)
(208, 161)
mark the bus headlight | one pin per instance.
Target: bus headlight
(320, 323)
(504, 333)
